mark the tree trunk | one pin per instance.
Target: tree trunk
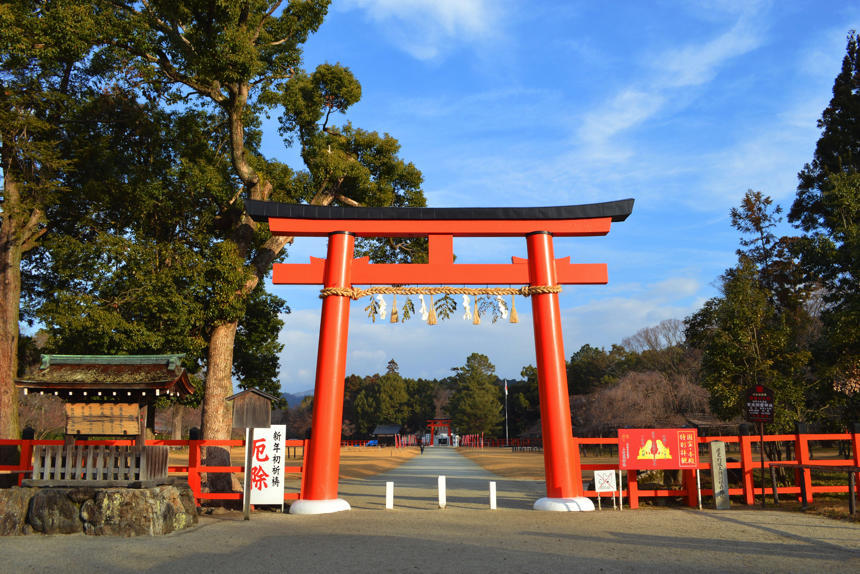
(176, 423)
(10, 296)
(217, 418)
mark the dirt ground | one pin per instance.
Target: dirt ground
(355, 462)
(361, 462)
(529, 465)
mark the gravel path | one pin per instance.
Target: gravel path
(465, 537)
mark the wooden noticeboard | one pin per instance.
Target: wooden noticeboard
(102, 419)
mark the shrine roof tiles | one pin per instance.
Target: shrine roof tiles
(108, 372)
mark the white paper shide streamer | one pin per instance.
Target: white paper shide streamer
(424, 312)
(467, 310)
(382, 307)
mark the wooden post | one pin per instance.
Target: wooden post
(855, 447)
(761, 456)
(852, 503)
(246, 483)
(747, 465)
(775, 486)
(691, 491)
(633, 489)
(194, 468)
(25, 460)
(803, 476)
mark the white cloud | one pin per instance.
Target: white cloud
(628, 109)
(697, 64)
(663, 88)
(426, 28)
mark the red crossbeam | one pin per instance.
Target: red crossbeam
(366, 273)
(458, 228)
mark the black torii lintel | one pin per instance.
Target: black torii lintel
(263, 210)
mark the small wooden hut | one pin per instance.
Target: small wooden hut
(109, 395)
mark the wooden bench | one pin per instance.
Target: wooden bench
(99, 466)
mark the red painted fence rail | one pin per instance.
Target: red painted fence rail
(192, 469)
(632, 493)
(748, 489)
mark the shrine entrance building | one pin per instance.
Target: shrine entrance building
(433, 424)
(541, 274)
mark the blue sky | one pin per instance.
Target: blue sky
(680, 105)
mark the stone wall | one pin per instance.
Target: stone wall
(98, 511)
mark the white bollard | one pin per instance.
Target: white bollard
(389, 495)
(492, 495)
(442, 500)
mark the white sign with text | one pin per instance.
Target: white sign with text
(267, 465)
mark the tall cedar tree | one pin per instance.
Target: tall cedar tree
(827, 209)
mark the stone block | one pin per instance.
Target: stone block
(53, 512)
(14, 503)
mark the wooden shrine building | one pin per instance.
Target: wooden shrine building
(109, 395)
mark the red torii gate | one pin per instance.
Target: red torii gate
(540, 270)
(433, 424)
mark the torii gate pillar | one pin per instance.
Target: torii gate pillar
(323, 458)
(561, 459)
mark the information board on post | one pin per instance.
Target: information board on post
(267, 465)
(667, 449)
(759, 404)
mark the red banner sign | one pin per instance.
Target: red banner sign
(647, 449)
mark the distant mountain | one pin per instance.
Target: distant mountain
(295, 399)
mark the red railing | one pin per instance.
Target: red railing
(192, 470)
(745, 445)
(748, 489)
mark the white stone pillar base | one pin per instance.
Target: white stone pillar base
(576, 504)
(320, 506)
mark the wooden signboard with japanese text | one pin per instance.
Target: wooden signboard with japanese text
(96, 419)
(648, 449)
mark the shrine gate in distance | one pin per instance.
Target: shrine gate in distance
(541, 272)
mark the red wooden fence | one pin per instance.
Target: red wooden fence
(746, 465)
(748, 489)
(192, 470)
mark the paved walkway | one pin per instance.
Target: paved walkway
(465, 537)
(415, 485)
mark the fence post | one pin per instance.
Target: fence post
(194, 464)
(633, 489)
(25, 458)
(691, 488)
(304, 466)
(801, 449)
(855, 447)
(747, 464)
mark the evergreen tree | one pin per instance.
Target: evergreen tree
(241, 59)
(475, 406)
(48, 65)
(827, 209)
(746, 341)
